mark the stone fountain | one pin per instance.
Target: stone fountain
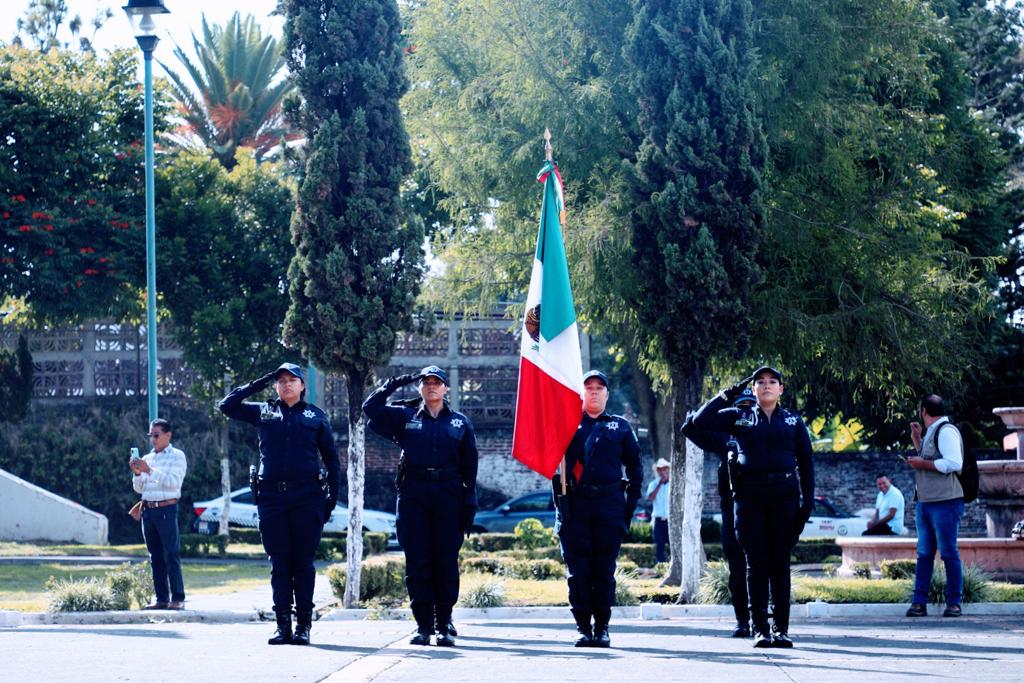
(1002, 481)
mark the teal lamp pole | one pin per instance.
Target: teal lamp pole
(140, 14)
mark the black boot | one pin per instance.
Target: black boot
(601, 637)
(586, 632)
(283, 634)
(303, 622)
(420, 638)
(444, 637)
(762, 635)
(450, 627)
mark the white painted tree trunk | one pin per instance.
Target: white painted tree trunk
(225, 478)
(692, 550)
(356, 480)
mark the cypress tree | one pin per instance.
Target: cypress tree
(358, 265)
(695, 213)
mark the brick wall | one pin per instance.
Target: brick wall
(848, 479)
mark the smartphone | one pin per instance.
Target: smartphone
(135, 454)
(900, 456)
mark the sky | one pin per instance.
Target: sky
(176, 27)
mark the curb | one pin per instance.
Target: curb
(647, 612)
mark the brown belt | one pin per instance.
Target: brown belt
(150, 504)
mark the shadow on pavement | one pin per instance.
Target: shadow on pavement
(130, 632)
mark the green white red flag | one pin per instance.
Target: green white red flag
(550, 399)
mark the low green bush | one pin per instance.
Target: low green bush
(815, 551)
(552, 553)
(530, 534)
(484, 595)
(1006, 592)
(627, 566)
(131, 583)
(977, 585)
(91, 594)
(713, 588)
(538, 570)
(483, 565)
(710, 530)
(624, 596)
(331, 549)
(830, 568)
(382, 576)
(898, 569)
(488, 543)
(640, 553)
(862, 570)
(714, 552)
(639, 532)
(808, 589)
(246, 535)
(663, 595)
(202, 545)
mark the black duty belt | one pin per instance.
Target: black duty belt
(285, 484)
(767, 478)
(595, 490)
(430, 473)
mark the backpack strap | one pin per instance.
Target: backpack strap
(938, 431)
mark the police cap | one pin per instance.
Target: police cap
(598, 374)
(434, 371)
(769, 369)
(291, 369)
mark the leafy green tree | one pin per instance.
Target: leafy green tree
(43, 20)
(358, 265)
(694, 211)
(71, 214)
(223, 259)
(15, 382)
(231, 96)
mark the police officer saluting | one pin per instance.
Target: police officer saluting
(772, 478)
(295, 437)
(436, 493)
(593, 516)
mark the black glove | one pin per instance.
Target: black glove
(393, 383)
(468, 513)
(802, 515)
(329, 505)
(627, 517)
(263, 382)
(736, 389)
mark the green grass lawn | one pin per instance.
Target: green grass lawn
(22, 586)
(9, 549)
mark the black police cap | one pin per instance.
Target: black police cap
(769, 369)
(598, 374)
(434, 371)
(291, 369)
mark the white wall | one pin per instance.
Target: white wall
(29, 513)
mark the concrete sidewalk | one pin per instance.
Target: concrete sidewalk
(494, 650)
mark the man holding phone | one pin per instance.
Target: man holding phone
(158, 477)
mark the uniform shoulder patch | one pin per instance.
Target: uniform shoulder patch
(457, 422)
(792, 419)
(309, 414)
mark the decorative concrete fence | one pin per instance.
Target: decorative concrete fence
(29, 513)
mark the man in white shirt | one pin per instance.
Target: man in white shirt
(158, 477)
(658, 492)
(889, 506)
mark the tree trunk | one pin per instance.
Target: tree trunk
(356, 471)
(225, 474)
(657, 411)
(687, 491)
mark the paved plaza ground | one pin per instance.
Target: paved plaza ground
(989, 648)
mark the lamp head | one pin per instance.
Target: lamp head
(140, 14)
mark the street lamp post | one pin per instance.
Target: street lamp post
(140, 14)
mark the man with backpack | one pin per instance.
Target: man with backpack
(940, 503)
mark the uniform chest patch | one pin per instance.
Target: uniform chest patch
(791, 420)
(270, 412)
(309, 414)
(457, 423)
(614, 426)
(414, 425)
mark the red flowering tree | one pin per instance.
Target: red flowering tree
(71, 190)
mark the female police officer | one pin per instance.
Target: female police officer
(293, 506)
(592, 518)
(436, 493)
(773, 488)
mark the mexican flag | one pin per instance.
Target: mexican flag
(550, 400)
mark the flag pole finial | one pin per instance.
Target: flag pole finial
(547, 144)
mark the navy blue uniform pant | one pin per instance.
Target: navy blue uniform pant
(291, 523)
(737, 563)
(590, 535)
(430, 532)
(765, 519)
(160, 529)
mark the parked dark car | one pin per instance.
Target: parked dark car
(504, 518)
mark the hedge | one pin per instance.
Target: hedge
(487, 543)
(539, 570)
(382, 576)
(641, 553)
(202, 545)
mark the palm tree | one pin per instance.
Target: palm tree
(234, 100)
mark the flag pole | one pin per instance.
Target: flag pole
(547, 157)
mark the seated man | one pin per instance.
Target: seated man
(888, 517)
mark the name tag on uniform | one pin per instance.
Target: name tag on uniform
(269, 412)
(413, 425)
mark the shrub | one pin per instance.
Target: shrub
(552, 553)
(830, 569)
(1006, 592)
(640, 553)
(898, 569)
(131, 583)
(815, 551)
(530, 534)
(382, 577)
(374, 543)
(491, 542)
(661, 569)
(663, 595)
(713, 551)
(639, 532)
(538, 570)
(485, 594)
(483, 565)
(248, 536)
(713, 588)
(977, 585)
(330, 549)
(628, 566)
(710, 530)
(862, 570)
(624, 596)
(836, 591)
(80, 595)
(201, 545)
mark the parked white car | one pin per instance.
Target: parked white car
(828, 521)
(243, 513)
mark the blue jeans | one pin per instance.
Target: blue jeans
(160, 529)
(937, 527)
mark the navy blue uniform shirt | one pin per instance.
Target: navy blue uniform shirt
(293, 441)
(603, 446)
(444, 441)
(779, 444)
